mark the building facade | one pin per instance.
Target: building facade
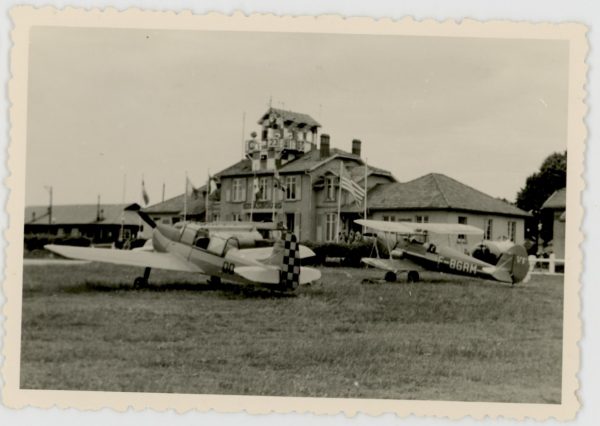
(440, 199)
(555, 207)
(291, 174)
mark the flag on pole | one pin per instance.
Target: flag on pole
(145, 197)
(346, 183)
(190, 190)
(255, 188)
(279, 182)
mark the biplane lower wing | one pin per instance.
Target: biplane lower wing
(144, 259)
(392, 265)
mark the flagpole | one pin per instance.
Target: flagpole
(252, 198)
(366, 188)
(206, 198)
(339, 206)
(185, 199)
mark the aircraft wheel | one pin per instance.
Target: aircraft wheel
(140, 282)
(216, 281)
(413, 277)
(390, 277)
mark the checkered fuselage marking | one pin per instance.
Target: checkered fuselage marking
(290, 268)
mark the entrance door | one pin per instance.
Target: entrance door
(290, 222)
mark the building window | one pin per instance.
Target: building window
(330, 188)
(238, 190)
(330, 222)
(422, 219)
(489, 229)
(237, 217)
(462, 238)
(292, 189)
(512, 230)
(386, 218)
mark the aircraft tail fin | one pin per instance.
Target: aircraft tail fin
(513, 265)
(286, 256)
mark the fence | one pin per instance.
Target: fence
(541, 265)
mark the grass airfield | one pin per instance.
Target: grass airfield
(446, 338)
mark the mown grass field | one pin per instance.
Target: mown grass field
(448, 338)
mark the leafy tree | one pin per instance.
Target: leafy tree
(539, 186)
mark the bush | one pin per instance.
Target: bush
(349, 253)
(38, 241)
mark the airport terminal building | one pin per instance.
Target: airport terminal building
(291, 174)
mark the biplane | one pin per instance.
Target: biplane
(410, 251)
(236, 253)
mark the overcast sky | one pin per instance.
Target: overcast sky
(104, 103)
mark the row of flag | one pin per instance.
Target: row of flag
(190, 189)
(346, 183)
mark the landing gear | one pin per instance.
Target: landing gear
(413, 277)
(142, 282)
(390, 277)
(216, 281)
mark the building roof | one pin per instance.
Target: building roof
(438, 192)
(305, 163)
(296, 117)
(175, 205)
(81, 214)
(558, 200)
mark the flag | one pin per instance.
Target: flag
(211, 185)
(346, 182)
(278, 182)
(190, 191)
(255, 188)
(144, 193)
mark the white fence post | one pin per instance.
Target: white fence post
(552, 264)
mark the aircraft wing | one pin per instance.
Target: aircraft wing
(394, 265)
(145, 259)
(412, 227)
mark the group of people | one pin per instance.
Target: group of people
(350, 237)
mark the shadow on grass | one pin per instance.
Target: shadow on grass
(228, 290)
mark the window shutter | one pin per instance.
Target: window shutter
(297, 217)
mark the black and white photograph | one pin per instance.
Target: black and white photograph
(352, 214)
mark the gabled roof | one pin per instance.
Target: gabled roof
(305, 163)
(295, 117)
(81, 214)
(438, 192)
(175, 205)
(558, 200)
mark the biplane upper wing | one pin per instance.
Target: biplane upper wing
(412, 228)
(393, 265)
(145, 259)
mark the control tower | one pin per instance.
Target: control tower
(285, 135)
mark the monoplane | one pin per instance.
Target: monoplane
(410, 251)
(235, 253)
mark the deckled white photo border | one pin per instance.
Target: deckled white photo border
(26, 17)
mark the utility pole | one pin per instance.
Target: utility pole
(49, 189)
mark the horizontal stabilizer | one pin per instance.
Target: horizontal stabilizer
(265, 275)
(263, 253)
(125, 257)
